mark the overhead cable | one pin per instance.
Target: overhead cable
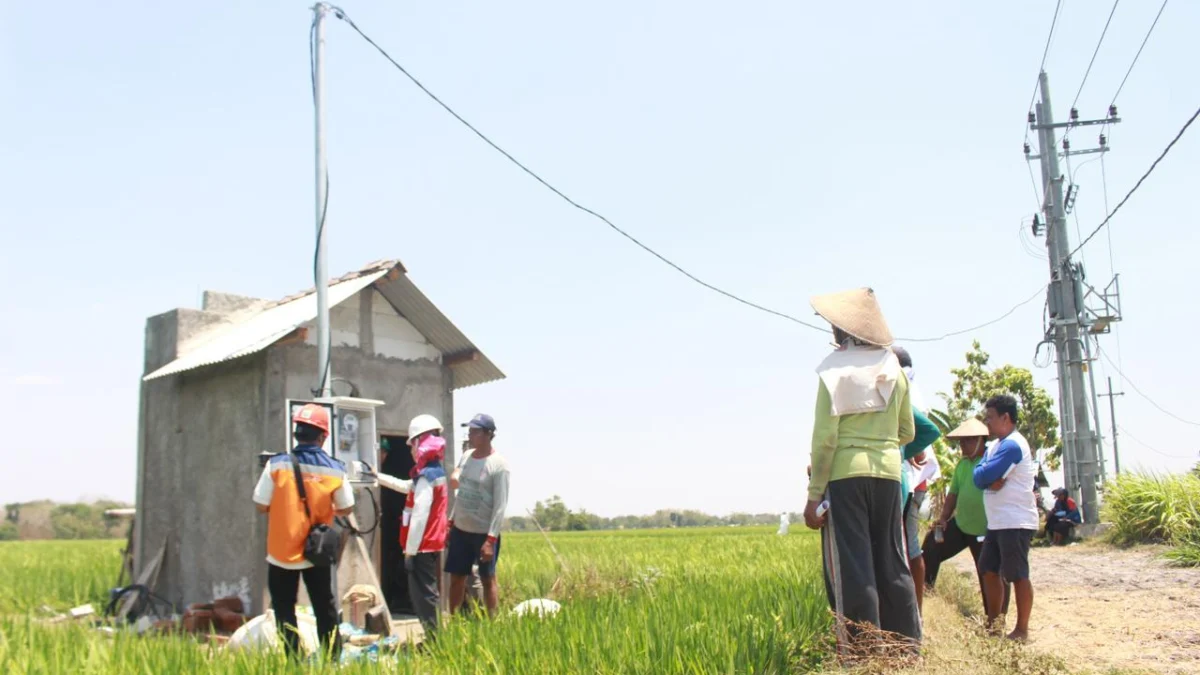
(341, 14)
(1126, 380)
(1138, 184)
(1139, 51)
(1045, 53)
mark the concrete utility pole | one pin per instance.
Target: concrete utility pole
(324, 373)
(1112, 416)
(1081, 460)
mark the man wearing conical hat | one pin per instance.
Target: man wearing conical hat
(963, 521)
(863, 418)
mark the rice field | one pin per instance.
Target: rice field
(728, 600)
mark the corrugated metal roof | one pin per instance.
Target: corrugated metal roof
(261, 330)
(276, 320)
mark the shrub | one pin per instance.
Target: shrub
(1153, 508)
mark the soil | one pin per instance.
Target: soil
(1106, 609)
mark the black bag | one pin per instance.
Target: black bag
(323, 541)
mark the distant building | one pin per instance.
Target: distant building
(213, 397)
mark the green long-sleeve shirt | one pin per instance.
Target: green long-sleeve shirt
(861, 444)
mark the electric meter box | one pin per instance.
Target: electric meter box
(354, 440)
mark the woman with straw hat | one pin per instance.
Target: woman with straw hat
(863, 418)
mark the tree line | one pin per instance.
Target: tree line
(48, 520)
(553, 515)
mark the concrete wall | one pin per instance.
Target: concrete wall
(200, 469)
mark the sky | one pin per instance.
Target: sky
(775, 149)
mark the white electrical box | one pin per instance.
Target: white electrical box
(354, 440)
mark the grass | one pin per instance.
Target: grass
(61, 574)
(1153, 508)
(727, 600)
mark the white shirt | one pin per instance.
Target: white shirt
(1014, 506)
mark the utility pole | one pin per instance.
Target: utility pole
(324, 374)
(1067, 316)
(1112, 416)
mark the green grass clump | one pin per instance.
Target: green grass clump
(720, 600)
(1160, 509)
(1153, 508)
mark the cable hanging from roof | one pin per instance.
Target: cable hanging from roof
(341, 14)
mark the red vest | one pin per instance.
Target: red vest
(432, 514)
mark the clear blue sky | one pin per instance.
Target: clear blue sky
(778, 149)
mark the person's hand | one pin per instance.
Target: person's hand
(997, 485)
(811, 519)
(487, 552)
(944, 524)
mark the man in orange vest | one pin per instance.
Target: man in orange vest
(328, 494)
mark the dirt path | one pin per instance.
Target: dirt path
(1103, 608)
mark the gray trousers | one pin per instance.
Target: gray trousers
(422, 571)
(866, 570)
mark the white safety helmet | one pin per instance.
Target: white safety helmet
(422, 424)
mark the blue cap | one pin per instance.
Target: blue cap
(482, 421)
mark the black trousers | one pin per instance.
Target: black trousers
(954, 541)
(422, 571)
(866, 571)
(284, 586)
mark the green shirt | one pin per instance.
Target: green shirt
(859, 445)
(968, 510)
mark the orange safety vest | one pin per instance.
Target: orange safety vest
(287, 526)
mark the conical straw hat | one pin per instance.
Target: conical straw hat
(857, 313)
(972, 428)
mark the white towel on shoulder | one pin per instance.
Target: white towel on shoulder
(860, 379)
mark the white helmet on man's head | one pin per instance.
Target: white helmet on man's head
(422, 424)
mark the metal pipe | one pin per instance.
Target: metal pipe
(321, 281)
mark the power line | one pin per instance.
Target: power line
(341, 14)
(1138, 184)
(1141, 393)
(998, 319)
(1139, 51)
(1148, 446)
(1093, 61)
(1045, 53)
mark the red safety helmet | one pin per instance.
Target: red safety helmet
(313, 415)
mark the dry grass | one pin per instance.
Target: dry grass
(955, 642)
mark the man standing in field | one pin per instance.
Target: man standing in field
(1007, 475)
(477, 515)
(328, 494)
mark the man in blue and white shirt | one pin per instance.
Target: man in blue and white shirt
(1006, 475)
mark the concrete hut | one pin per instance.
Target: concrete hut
(213, 397)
